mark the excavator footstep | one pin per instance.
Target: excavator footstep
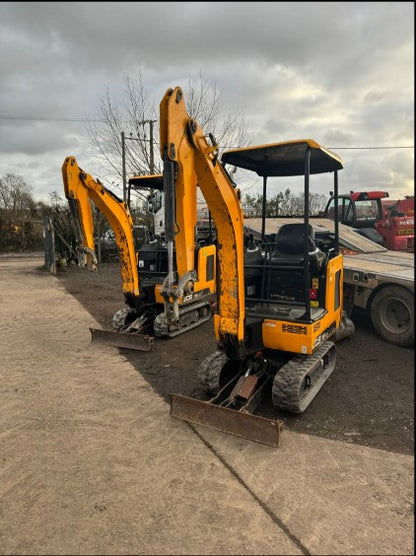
(139, 342)
(238, 423)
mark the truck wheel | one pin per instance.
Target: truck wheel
(392, 315)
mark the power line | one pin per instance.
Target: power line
(100, 120)
(367, 148)
(48, 119)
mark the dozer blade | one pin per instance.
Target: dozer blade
(238, 423)
(128, 340)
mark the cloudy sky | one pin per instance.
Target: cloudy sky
(341, 73)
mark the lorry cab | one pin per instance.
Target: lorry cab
(358, 210)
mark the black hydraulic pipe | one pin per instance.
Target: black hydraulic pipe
(306, 238)
(169, 192)
(336, 224)
(263, 229)
(263, 209)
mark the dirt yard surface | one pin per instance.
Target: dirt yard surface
(92, 463)
(369, 399)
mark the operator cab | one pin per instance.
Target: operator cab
(285, 272)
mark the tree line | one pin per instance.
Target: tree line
(283, 204)
(22, 218)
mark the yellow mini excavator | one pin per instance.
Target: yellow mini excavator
(167, 292)
(279, 302)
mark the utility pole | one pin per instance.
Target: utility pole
(123, 154)
(152, 158)
(123, 163)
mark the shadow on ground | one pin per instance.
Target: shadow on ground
(368, 400)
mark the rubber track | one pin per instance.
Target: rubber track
(209, 371)
(287, 391)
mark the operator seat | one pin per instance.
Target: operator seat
(289, 247)
(286, 280)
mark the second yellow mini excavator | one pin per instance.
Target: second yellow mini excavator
(167, 290)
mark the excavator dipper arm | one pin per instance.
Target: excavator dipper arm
(81, 212)
(80, 188)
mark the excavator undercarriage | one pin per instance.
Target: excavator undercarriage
(190, 316)
(239, 389)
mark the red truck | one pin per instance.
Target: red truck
(388, 223)
(397, 227)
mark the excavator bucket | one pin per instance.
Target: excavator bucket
(128, 340)
(238, 423)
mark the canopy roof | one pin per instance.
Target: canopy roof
(284, 159)
(154, 181)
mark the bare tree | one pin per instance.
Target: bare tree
(15, 194)
(17, 213)
(137, 117)
(317, 203)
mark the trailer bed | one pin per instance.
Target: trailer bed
(391, 266)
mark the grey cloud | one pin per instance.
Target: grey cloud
(339, 72)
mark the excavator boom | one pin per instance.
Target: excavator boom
(184, 144)
(80, 188)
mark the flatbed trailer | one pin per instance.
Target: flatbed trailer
(376, 280)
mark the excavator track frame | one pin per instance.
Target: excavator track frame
(161, 327)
